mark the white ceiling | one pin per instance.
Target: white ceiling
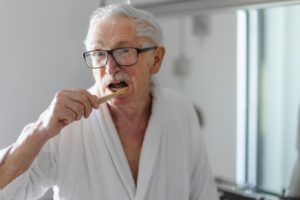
(138, 1)
(149, 2)
(160, 7)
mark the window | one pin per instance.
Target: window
(273, 96)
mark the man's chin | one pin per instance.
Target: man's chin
(118, 102)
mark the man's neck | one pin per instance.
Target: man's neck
(131, 123)
(132, 117)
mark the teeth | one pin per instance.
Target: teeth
(117, 85)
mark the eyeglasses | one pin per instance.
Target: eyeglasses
(122, 56)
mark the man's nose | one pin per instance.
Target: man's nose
(111, 66)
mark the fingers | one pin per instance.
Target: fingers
(81, 102)
(66, 107)
(66, 117)
(77, 109)
(93, 100)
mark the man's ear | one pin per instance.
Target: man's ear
(158, 58)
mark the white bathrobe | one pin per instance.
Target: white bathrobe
(86, 160)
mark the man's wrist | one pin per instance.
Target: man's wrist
(39, 133)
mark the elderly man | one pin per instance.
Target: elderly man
(144, 143)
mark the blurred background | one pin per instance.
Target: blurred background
(237, 62)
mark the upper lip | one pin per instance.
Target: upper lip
(112, 82)
(116, 82)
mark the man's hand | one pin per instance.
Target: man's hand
(66, 107)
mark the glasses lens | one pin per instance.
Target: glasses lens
(125, 56)
(96, 59)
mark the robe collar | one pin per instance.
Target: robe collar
(149, 151)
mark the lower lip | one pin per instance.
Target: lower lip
(115, 90)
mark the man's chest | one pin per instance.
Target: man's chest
(132, 146)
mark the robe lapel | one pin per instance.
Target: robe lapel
(116, 151)
(151, 147)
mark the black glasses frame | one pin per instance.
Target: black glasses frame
(110, 52)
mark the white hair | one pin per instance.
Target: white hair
(146, 23)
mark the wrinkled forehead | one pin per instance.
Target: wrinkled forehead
(114, 32)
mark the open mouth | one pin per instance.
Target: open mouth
(117, 85)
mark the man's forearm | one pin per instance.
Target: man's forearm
(20, 156)
(66, 107)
